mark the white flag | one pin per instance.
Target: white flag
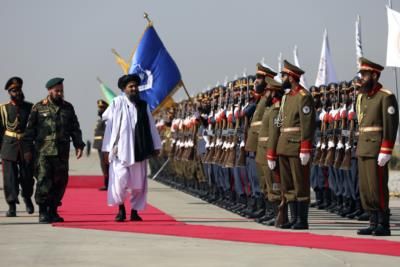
(326, 72)
(359, 51)
(296, 62)
(393, 43)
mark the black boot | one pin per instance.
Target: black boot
(373, 222)
(12, 210)
(121, 216)
(43, 214)
(29, 205)
(383, 228)
(326, 199)
(271, 221)
(318, 198)
(293, 215)
(135, 216)
(333, 202)
(260, 208)
(357, 210)
(302, 216)
(54, 216)
(364, 216)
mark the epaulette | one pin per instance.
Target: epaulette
(386, 91)
(303, 92)
(45, 101)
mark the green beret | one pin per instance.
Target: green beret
(54, 82)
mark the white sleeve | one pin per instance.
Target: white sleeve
(107, 117)
(154, 132)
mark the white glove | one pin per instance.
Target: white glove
(339, 146)
(347, 146)
(323, 146)
(271, 164)
(331, 144)
(383, 159)
(242, 144)
(318, 144)
(304, 158)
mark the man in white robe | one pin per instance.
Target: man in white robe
(130, 138)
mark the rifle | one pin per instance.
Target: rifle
(228, 125)
(231, 158)
(340, 145)
(321, 158)
(346, 163)
(241, 161)
(210, 132)
(218, 131)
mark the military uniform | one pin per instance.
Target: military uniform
(16, 171)
(48, 133)
(98, 143)
(378, 118)
(297, 123)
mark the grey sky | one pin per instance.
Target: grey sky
(208, 39)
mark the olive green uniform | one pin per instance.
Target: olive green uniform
(49, 131)
(378, 119)
(297, 116)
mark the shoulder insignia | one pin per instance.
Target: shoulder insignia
(302, 92)
(45, 101)
(386, 91)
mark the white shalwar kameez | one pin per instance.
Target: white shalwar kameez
(126, 176)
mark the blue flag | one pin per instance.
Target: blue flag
(159, 74)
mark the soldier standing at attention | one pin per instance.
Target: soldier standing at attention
(296, 119)
(378, 119)
(51, 125)
(98, 141)
(16, 171)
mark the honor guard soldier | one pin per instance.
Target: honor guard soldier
(16, 171)
(98, 141)
(296, 120)
(378, 118)
(51, 126)
(255, 172)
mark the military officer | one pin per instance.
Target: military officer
(255, 172)
(378, 119)
(98, 141)
(51, 125)
(296, 120)
(16, 171)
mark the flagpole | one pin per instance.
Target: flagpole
(186, 91)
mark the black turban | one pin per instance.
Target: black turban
(124, 80)
(13, 82)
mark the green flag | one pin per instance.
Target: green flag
(107, 92)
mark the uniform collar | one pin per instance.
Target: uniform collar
(295, 91)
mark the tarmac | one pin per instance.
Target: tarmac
(24, 242)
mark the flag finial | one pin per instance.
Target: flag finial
(146, 17)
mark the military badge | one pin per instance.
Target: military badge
(391, 110)
(306, 109)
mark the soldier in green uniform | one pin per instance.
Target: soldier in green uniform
(296, 121)
(255, 171)
(98, 141)
(378, 118)
(16, 171)
(51, 125)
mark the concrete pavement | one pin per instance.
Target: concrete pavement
(23, 242)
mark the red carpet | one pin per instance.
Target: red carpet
(86, 208)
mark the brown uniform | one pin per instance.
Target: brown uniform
(296, 132)
(378, 119)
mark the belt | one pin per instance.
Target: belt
(290, 129)
(14, 134)
(256, 123)
(263, 139)
(370, 129)
(98, 137)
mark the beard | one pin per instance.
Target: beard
(286, 85)
(18, 98)
(259, 88)
(57, 100)
(367, 86)
(100, 113)
(134, 97)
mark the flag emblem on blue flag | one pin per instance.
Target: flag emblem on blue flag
(159, 74)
